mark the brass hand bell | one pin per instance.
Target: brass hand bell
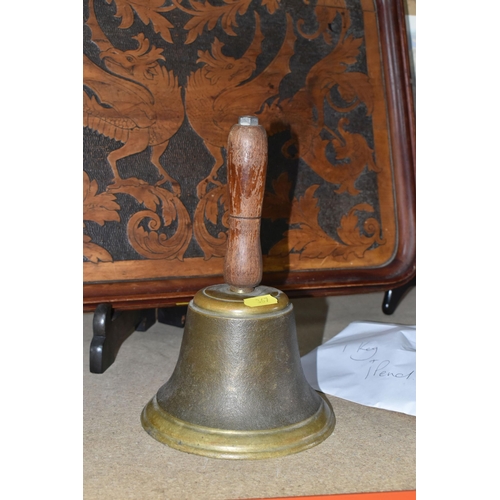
(238, 389)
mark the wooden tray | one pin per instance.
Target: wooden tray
(163, 84)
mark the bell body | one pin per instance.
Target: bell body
(238, 389)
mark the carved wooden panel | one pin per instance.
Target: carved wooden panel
(164, 81)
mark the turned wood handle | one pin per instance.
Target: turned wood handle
(246, 174)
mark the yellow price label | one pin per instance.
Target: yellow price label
(263, 300)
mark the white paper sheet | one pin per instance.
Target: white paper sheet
(372, 364)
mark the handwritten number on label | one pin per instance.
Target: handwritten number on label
(263, 300)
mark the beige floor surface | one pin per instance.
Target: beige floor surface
(370, 450)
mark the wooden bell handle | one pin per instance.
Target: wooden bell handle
(246, 172)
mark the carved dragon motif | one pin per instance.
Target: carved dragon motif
(216, 95)
(138, 100)
(352, 153)
(135, 100)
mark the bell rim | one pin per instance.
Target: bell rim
(238, 444)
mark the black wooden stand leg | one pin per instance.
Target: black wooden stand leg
(392, 298)
(175, 316)
(111, 328)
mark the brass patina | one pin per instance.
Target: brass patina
(238, 389)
